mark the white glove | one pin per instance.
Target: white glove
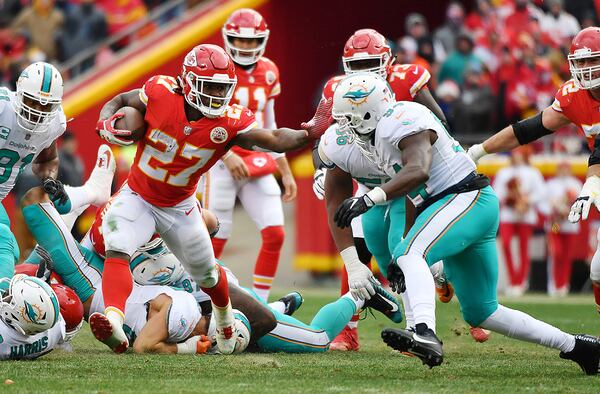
(476, 152)
(360, 278)
(590, 193)
(319, 183)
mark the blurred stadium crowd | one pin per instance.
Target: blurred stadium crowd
(491, 64)
(58, 30)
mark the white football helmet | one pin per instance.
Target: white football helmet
(31, 306)
(157, 266)
(242, 333)
(360, 101)
(39, 96)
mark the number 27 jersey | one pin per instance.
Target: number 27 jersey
(175, 152)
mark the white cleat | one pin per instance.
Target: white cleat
(100, 181)
(224, 320)
(109, 330)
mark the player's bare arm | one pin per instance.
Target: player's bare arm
(338, 187)
(527, 130)
(278, 140)
(425, 98)
(45, 164)
(125, 99)
(416, 163)
(287, 179)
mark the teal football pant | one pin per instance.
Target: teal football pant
(383, 227)
(9, 250)
(79, 268)
(292, 336)
(461, 230)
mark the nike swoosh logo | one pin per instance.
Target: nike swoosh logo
(422, 340)
(187, 213)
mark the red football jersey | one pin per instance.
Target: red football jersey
(406, 80)
(580, 108)
(175, 152)
(256, 86)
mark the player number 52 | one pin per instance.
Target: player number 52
(166, 156)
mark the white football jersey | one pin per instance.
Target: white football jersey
(450, 164)
(15, 346)
(337, 148)
(19, 147)
(183, 315)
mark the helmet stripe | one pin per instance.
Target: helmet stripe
(47, 80)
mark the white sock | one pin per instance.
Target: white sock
(408, 313)
(359, 303)
(352, 324)
(279, 306)
(72, 216)
(420, 289)
(79, 196)
(519, 325)
(262, 293)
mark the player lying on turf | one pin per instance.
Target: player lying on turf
(188, 126)
(165, 320)
(576, 102)
(31, 321)
(455, 216)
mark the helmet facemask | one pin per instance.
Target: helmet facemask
(586, 77)
(245, 56)
(209, 95)
(35, 113)
(364, 62)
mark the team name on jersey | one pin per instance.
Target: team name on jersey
(19, 145)
(23, 350)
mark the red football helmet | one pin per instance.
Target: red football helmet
(367, 51)
(70, 305)
(208, 79)
(245, 23)
(584, 58)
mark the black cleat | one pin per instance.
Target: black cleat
(385, 303)
(586, 353)
(292, 301)
(422, 343)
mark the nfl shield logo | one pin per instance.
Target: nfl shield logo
(187, 129)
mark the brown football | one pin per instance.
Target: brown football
(133, 120)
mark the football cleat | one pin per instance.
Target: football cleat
(385, 303)
(225, 323)
(479, 334)
(422, 343)
(109, 332)
(100, 181)
(346, 341)
(293, 301)
(586, 353)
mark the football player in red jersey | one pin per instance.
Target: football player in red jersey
(190, 126)
(247, 174)
(577, 101)
(367, 51)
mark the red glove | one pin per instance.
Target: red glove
(319, 123)
(106, 130)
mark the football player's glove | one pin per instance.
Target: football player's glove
(55, 190)
(106, 130)
(319, 123)
(351, 208)
(590, 194)
(319, 183)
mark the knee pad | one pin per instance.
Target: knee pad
(595, 271)
(268, 185)
(273, 237)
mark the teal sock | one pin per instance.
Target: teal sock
(9, 255)
(333, 317)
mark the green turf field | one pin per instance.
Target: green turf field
(499, 365)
